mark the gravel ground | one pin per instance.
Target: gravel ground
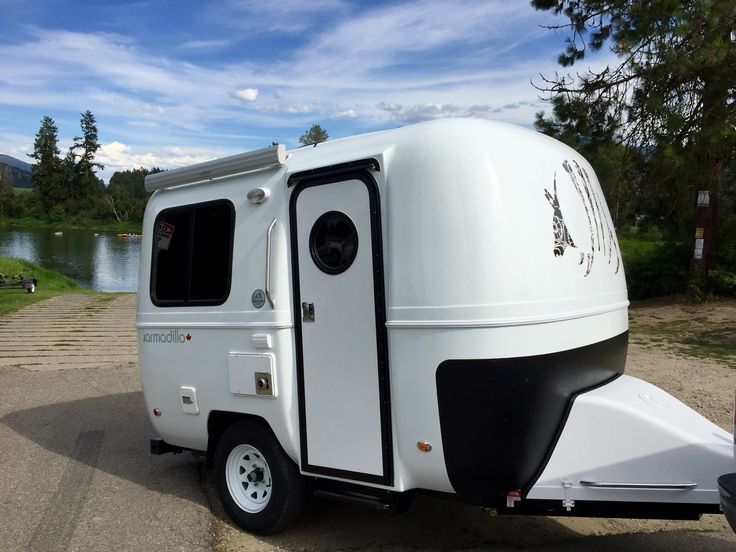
(77, 476)
(657, 355)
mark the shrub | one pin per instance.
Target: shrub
(655, 268)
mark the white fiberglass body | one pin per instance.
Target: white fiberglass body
(629, 441)
(456, 284)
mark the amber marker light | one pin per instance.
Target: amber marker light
(424, 446)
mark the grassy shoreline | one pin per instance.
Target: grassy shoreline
(74, 224)
(50, 284)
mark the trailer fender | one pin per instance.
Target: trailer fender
(218, 422)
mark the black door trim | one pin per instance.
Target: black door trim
(319, 178)
(369, 164)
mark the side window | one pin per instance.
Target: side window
(333, 242)
(192, 255)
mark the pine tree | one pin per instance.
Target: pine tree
(6, 196)
(314, 135)
(672, 94)
(86, 184)
(46, 172)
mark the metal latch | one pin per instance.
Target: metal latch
(263, 383)
(308, 312)
(567, 503)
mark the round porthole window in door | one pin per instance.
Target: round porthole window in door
(333, 242)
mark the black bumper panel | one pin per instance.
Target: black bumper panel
(501, 418)
(727, 490)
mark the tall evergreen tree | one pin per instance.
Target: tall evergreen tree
(591, 130)
(86, 185)
(6, 196)
(314, 135)
(672, 92)
(45, 173)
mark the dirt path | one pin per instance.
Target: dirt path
(689, 351)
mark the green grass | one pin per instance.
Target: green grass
(691, 334)
(50, 284)
(83, 223)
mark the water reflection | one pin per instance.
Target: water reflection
(101, 261)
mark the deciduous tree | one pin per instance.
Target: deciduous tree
(126, 195)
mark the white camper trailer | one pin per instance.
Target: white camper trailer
(437, 308)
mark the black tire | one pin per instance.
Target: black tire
(284, 489)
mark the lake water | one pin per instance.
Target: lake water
(101, 260)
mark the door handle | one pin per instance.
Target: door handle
(307, 312)
(268, 264)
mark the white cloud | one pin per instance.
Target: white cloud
(424, 112)
(387, 35)
(416, 113)
(400, 62)
(247, 94)
(16, 145)
(157, 109)
(285, 16)
(205, 45)
(291, 109)
(347, 114)
(117, 156)
(286, 7)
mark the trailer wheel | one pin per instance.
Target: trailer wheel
(258, 484)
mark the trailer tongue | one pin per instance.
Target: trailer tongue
(630, 449)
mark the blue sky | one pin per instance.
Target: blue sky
(174, 83)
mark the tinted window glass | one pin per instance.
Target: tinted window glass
(192, 255)
(211, 253)
(171, 254)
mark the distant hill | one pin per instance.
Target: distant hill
(15, 172)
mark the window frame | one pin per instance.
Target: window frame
(318, 261)
(187, 301)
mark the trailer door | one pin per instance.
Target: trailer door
(342, 361)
